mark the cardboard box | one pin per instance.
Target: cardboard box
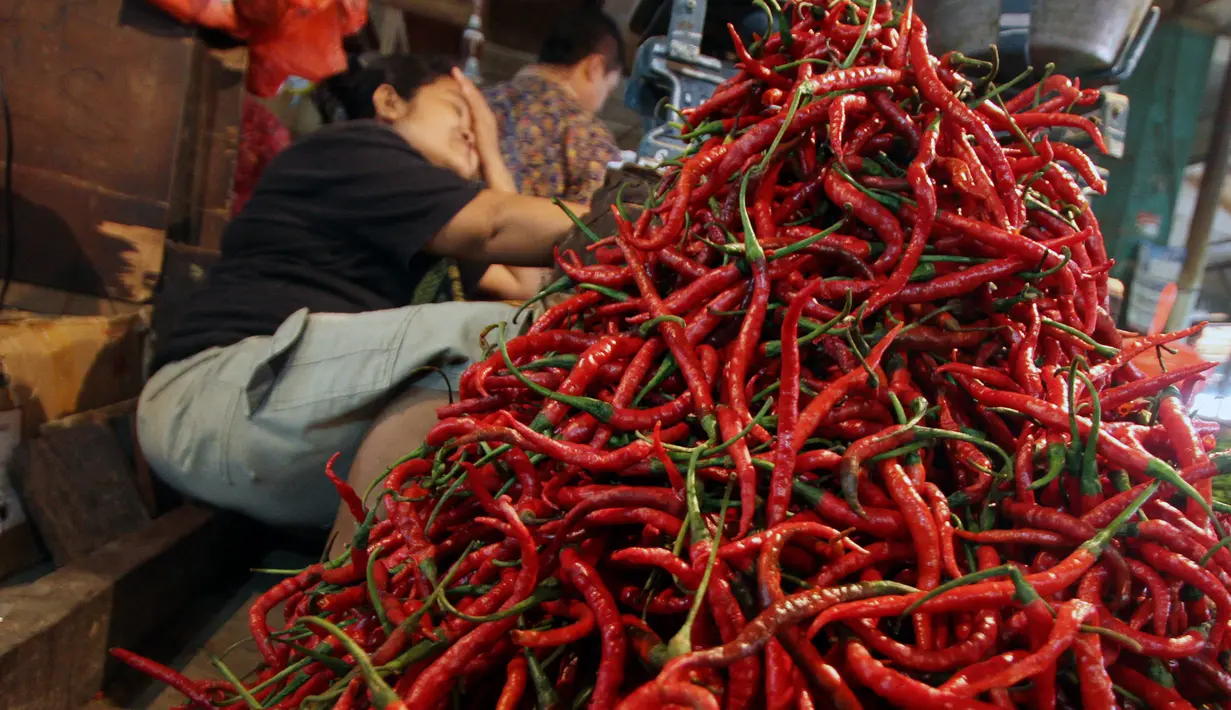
(54, 367)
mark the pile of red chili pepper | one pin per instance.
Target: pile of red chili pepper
(838, 419)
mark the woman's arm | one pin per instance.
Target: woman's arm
(512, 283)
(500, 228)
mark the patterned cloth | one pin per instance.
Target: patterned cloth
(261, 137)
(553, 146)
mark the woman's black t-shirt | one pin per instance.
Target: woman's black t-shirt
(336, 224)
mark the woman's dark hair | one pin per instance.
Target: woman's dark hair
(352, 90)
(576, 35)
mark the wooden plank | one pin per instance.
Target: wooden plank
(102, 415)
(54, 367)
(120, 418)
(78, 488)
(244, 660)
(107, 131)
(40, 300)
(90, 97)
(66, 241)
(209, 144)
(57, 629)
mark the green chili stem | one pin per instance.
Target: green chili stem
(374, 591)
(611, 293)
(681, 642)
(382, 695)
(863, 35)
(1104, 350)
(235, 682)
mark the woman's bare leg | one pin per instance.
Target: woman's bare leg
(399, 429)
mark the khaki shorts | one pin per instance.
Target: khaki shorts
(249, 427)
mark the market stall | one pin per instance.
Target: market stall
(831, 409)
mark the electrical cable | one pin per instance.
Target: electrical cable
(10, 219)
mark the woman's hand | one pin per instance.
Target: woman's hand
(483, 121)
(486, 136)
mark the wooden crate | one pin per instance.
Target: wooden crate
(53, 652)
(119, 136)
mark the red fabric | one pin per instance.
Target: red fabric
(285, 37)
(261, 137)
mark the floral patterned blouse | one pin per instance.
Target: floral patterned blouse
(552, 146)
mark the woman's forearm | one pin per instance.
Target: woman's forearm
(504, 228)
(495, 172)
(515, 283)
(527, 229)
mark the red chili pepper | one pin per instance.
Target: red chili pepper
(864, 132)
(935, 92)
(820, 406)
(258, 614)
(582, 627)
(1187, 444)
(717, 100)
(693, 169)
(871, 213)
(897, 117)
(672, 333)
(789, 442)
(345, 492)
(171, 677)
(1155, 695)
(1082, 164)
(557, 314)
(780, 692)
(838, 110)
(925, 197)
(435, 682)
(754, 67)
(729, 427)
(611, 628)
(1068, 120)
(924, 535)
(986, 594)
(1192, 573)
(659, 694)
(1114, 397)
(745, 674)
(514, 684)
(902, 689)
(974, 647)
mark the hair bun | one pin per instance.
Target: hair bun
(352, 90)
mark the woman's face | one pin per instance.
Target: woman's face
(436, 122)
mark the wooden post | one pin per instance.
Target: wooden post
(1189, 281)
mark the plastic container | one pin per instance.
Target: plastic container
(966, 26)
(1083, 37)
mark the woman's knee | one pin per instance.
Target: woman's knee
(399, 429)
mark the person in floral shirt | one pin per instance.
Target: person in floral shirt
(552, 140)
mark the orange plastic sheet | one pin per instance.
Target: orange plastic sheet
(285, 37)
